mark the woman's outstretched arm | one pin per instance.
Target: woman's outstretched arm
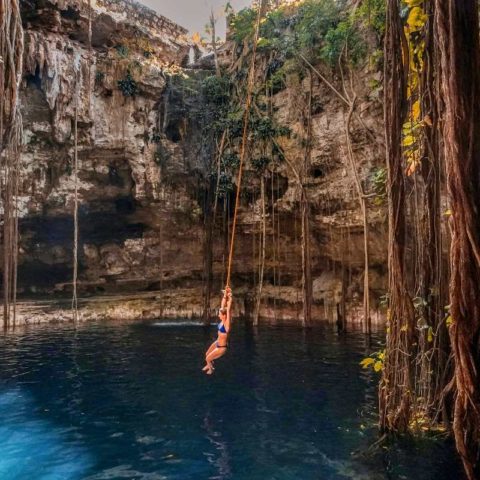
(229, 300)
(224, 300)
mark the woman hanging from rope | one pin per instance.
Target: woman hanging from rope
(219, 347)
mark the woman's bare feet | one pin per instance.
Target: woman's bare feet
(208, 368)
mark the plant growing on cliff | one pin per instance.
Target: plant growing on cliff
(122, 50)
(216, 90)
(128, 85)
(242, 24)
(378, 181)
(319, 29)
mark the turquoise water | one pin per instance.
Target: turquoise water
(130, 402)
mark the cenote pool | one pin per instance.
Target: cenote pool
(123, 401)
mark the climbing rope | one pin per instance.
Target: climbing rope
(248, 104)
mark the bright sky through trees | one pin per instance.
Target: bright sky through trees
(194, 14)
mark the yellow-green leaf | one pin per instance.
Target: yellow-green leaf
(430, 335)
(366, 362)
(408, 140)
(378, 366)
(416, 19)
(449, 321)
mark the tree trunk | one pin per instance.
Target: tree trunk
(457, 34)
(396, 385)
(431, 283)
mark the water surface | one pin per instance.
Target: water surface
(123, 401)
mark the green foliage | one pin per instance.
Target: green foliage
(319, 29)
(314, 20)
(373, 13)
(122, 51)
(260, 163)
(230, 161)
(262, 128)
(343, 38)
(225, 184)
(378, 181)
(216, 90)
(242, 24)
(128, 85)
(234, 123)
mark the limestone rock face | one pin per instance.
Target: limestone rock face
(103, 66)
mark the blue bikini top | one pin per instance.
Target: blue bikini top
(221, 328)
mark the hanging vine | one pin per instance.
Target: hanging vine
(457, 33)
(11, 58)
(75, 197)
(396, 385)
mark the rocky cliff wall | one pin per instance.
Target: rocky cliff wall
(141, 171)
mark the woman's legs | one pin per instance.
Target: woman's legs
(212, 347)
(213, 355)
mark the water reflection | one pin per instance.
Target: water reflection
(130, 401)
(221, 458)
